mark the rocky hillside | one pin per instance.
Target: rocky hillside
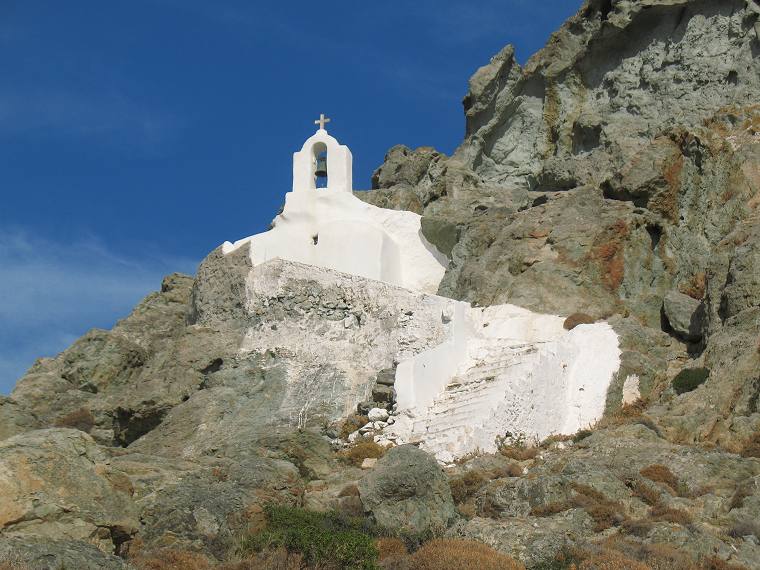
(617, 175)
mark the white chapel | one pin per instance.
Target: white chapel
(325, 225)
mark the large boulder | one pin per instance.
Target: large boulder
(58, 484)
(684, 315)
(408, 491)
(46, 554)
(15, 419)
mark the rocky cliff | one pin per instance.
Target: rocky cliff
(616, 174)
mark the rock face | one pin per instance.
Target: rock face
(407, 490)
(600, 179)
(615, 174)
(684, 315)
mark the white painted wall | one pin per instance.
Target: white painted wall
(508, 370)
(332, 228)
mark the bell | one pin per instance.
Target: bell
(321, 171)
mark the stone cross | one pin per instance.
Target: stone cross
(321, 121)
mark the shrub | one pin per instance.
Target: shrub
(605, 512)
(660, 474)
(464, 487)
(321, 538)
(361, 450)
(278, 559)
(550, 509)
(452, 554)
(13, 565)
(689, 379)
(660, 512)
(645, 492)
(578, 319)
(170, 559)
(351, 424)
(752, 447)
(390, 546)
(695, 286)
(581, 435)
(81, 419)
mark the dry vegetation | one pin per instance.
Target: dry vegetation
(171, 559)
(519, 452)
(13, 565)
(752, 447)
(361, 450)
(351, 424)
(81, 419)
(695, 286)
(451, 554)
(605, 512)
(465, 486)
(619, 554)
(578, 319)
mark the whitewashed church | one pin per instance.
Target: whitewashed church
(463, 375)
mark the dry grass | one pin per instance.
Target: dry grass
(605, 512)
(351, 424)
(465, 486)
(661, 513)
(511, 470)
(645, 492)
(661, 474)
(389, 547)
(13, 565)
(278, 559)
(81, 419)
(619, 554)
(452, 554)
(578, 319)
(695, 286)
(171, 559)
(519, 452)
(623, 415)
(752, 447)
(361, 450)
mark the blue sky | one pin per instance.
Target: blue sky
(137, 136)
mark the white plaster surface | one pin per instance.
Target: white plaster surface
(343, 289)
(332, 228)
(505, 369)
(465, 375)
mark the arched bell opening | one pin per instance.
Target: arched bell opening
(319, 165)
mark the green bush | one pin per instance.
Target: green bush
(689, 378)
(321, 538)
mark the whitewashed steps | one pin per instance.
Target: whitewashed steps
(476, 393)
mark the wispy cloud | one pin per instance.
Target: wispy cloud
(51, 293)
(106, 117)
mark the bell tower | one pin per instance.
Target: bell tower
(322, 163)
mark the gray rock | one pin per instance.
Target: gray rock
(53, 554)
(58, 484)
(386, 377)
(684, 314)
(14, 419)
(407, 491)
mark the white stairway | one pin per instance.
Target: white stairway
(471, 397)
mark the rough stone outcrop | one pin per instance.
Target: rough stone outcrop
(615, 174)
(407, 490)
(58, 484)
